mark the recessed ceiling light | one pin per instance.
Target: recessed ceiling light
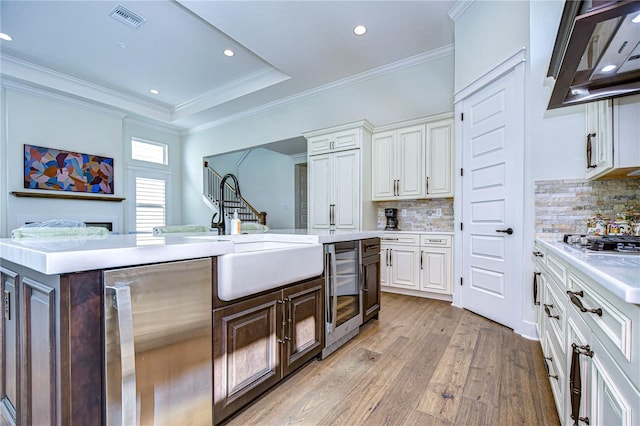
(608, 68)
(5, 37)
(228, 52)
(360, 30)
(121, 45)
(154, 91)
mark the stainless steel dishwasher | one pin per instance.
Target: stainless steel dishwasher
(158, 354)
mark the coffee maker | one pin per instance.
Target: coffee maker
(392, 219)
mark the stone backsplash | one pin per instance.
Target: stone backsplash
(421, 214)
(563, 206)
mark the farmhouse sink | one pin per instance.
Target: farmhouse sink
(256, 266)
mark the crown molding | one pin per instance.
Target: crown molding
(367, 75)
(46, 93)
(45, 77)
(235, 89)
(459, 8)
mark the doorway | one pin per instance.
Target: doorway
(300, 198)
(491, 192)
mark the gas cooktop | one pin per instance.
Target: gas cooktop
(623, 244)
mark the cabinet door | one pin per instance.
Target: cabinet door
(347, 139)
(38, 371)
(599, 138)
(370, 287)
(305, 326)
(320, 197)
(319, 144)
(613, 399)
(409, 166)
(439, 159)
(404, 267)
(9, 355)
(435, 267)
(246, 352)
(385, 267)
(346, 190)
(383, 158)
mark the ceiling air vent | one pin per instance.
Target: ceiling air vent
(127, 17)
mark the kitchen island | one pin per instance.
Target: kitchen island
(54, 311)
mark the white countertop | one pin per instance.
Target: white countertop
(59, 256)
(618, 273)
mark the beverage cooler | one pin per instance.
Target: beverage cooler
(343, 294)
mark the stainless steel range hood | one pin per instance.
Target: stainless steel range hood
(597, 52)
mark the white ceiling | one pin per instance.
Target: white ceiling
(283, 49)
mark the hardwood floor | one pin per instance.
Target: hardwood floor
(422, 363)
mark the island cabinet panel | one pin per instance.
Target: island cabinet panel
(9, 353)
(51, 348)
(304, 338)
(245, 352)
(370, 279)
(259, 341)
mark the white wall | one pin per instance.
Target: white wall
(54, 122)
(423, 89)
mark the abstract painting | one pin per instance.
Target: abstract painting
(48, 168)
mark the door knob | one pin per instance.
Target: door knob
(508, 231)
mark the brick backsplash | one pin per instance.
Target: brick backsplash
(563, 206)
(421, 214)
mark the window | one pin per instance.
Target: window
(150, 203)
(151, 152)
(149, 186)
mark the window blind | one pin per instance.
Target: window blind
(150, 203)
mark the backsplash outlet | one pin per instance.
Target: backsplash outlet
(421, 214)
(564, 206)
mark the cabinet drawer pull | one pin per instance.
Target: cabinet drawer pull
(435, 241)
(546, 366)
(535, 288)
(538, 253)
(575, 381)
(590, 136)
(573, 295)
(7, 305)
(427, 185)
(547, 309)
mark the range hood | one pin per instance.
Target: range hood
(597, 52)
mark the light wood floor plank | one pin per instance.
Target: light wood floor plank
(423, 362)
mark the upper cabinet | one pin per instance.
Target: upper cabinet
(397, 163)
(413, 160)
(331, 142)
(612, 143)
(339, 161)
(439, 159)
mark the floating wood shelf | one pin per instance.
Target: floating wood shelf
(67, 196)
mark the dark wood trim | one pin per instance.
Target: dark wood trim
(67, 196)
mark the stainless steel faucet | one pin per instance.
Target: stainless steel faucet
(220, 225)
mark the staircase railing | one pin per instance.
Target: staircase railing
(211, 187)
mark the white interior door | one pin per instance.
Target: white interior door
(492, 186)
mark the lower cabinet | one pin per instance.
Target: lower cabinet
(417, 264)
(259, 341)
(50, 323)
(590, 350)
(370, 278)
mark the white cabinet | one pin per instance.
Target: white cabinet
(436, 266)
(339, 188)
(589, 345)
(337, 141)
(397, 164)
(334, 191)
(417, 264)
(612, 144)
(439, 159)
(413, 159)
